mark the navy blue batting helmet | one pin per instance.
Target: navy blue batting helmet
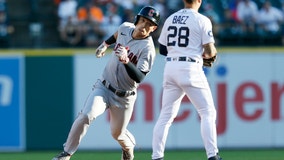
(150, 13)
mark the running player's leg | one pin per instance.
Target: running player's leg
(202, 100)
(119, 120)
(172, 96)
(94, 106)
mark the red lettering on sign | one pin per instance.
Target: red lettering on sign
(149, 102)
(221, 108)
(241, 100)
(276, 93)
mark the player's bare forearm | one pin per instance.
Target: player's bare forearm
(209, 50)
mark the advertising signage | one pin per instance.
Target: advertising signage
(11, 103)
(248, 91)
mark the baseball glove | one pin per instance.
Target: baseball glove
(209, 62)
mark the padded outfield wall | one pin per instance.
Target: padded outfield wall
(41, 92)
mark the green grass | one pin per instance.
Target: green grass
(261, 154)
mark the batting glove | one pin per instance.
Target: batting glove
(100, 51)
(121, 53)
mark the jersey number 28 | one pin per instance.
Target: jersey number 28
(182, 33)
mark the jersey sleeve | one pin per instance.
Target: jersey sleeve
(163, 35)
(146, 59)
(124, 27)
(207, 33)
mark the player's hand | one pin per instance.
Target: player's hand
(121, 53)
(100, 51)
(208, 62)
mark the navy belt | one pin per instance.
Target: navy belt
(117, 92)
(184, 59)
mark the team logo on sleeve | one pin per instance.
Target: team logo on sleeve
(210, 33)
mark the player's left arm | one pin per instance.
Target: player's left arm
(209, 50)
(209, 55)
(134, 72)
(138, 71)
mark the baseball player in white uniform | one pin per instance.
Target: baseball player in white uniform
(131, 60)
(186, 38)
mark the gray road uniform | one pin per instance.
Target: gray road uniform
(115, 91)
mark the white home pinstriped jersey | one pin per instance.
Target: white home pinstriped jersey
(184, 33)
(141, 52)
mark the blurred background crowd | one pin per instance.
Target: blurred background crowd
(85, 23)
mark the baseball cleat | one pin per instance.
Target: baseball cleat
(159, 159)
(127, 155)
(62, 156)
(217, 157)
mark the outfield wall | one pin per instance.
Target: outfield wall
(42, 91)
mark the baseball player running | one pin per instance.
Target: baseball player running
(131, 59)
(186, 38)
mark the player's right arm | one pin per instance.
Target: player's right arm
(100, 51)
(163, 40)
(163, 50)
(112, 39)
